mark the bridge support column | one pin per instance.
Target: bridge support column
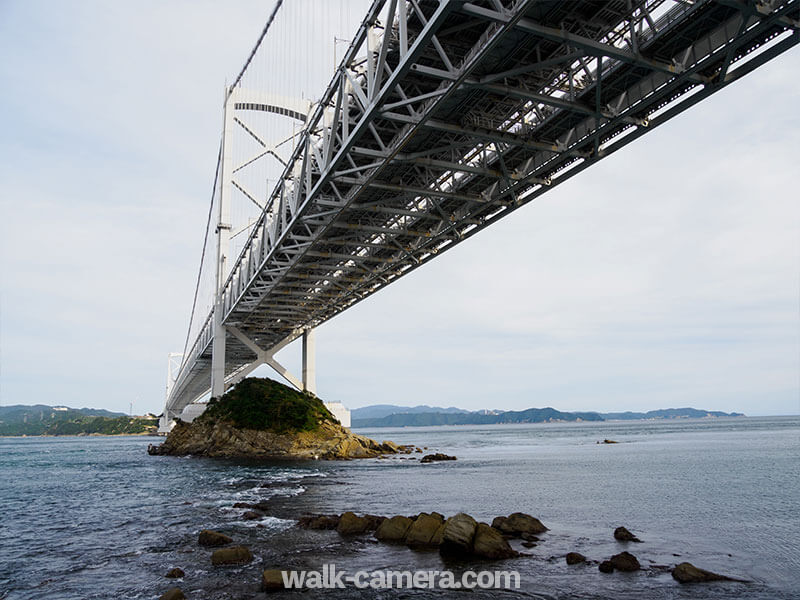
(218, 355)
(309, 361)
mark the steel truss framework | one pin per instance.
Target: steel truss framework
(448, 116)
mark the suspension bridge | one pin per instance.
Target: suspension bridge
(441, 116)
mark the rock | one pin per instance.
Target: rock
(625, 561)
(429, 458)
(250, 515)
(529, 544)
(606, 567)
(319, 521)
(374, 521)
(490, 543)
(623, 535)
(172, 594)
(393, 529)
(389, 447)
(574, 558)
(518, 525)
(422, 530)
(351, 524)
(175, 573)
(243, 505)
(211, 538)
(272, 580)
(609, 442)
(457, 535)
(437, 538)
(236, 555)
(529, 537)
(688, 573)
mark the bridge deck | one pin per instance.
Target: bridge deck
(460, 114)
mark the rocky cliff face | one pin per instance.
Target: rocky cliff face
(221, 439)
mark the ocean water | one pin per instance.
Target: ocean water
(86, 518)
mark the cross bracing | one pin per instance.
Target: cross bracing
(442, 117)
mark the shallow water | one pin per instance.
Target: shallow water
(99, 518)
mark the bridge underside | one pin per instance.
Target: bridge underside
(460, 114)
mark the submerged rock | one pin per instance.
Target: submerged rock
(211, 538)
(175, 573)
(236, 555)
(251, 515)
(574, 558)
(172, 594)
(429, 458)
(606, 567)
(625, 561)
(688, 573)
(319, 521)
(272, 580)
(623, 535)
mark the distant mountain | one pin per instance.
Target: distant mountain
(376, 411)
(668, 413)
(414, 417)
(531, 415)
(61, 420)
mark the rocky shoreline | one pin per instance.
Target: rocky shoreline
(459, 537)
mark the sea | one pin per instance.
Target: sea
(97, 517)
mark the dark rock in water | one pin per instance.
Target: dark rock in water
(688, 573)
(213, 538)
(272, 580)
(609, 442)
(243, 505)
(623, 535)
(574, 558)
(172, 594)
(319, 521)
(457, 535)
(422, 530)
(625, 561)
(490, 543)
(251, 515)
(351, 524)
(175, 573)
(529, 537)
(236, 555)
(429, 458)
(518, 525)
(393, 529)
(529, 544)
(606, 567)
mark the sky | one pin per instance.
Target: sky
(667, 275)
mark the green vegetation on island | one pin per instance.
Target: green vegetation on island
(266, 405)
(60, 420)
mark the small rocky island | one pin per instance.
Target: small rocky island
(261, 418)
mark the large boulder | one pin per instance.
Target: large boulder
(211, 538)
(235, 555)
(172, 594)
(175, 573)
(623, 535)
(625, 561)
(458, 533)
(393, 529)
(519, 524)
(688, 573)
(422, 530)
(490, 543)
(351, 524)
